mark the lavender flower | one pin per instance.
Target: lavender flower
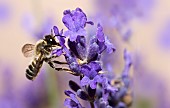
(36, 95)
(116, 97)
(83, 60)
(75, 21)
(149, 85)
(9, 99)
(73, 102)
(32, 95)
(117, 14)
(89, 68)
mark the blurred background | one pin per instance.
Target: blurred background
(140, 26)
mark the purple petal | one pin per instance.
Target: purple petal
(102, 47)
(71, 60)
(66, 12)
(97, 79)
(92, 74)
(69, 103)
(93, 84)
(111, 89)
(93, 39)
(81, 47)
(73, 97)
(110, 47)
(81, 32)
(85, 70)
(73, 36)
(75, 67)
(67, 33)
(67, 20)
(61, 39)
(95, 66)
(81, 40)
(56, 31)
(82, 94)
(107, 86)
(68, 92)
(81, 51)
(61, 32)
(93, 52)
(78, 9)
(85, 81)
(100, 34)
(90, 22)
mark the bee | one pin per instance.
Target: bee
(42, 52)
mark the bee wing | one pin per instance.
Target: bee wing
(28, 50)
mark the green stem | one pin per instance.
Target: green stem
(92, 104)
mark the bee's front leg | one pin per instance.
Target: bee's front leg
(51, 64)
(55, 61)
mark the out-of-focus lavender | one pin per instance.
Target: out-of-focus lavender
(163, 38)
(5, 12)
(151, 90)
(31, 95)
(117, 14)
(9, 98)
(28, 24)
(36, 95)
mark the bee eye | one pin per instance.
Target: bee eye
(51, 40)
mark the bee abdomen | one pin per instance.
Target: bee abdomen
(29, 74)
(33, 69)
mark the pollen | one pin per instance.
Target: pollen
(81, 62)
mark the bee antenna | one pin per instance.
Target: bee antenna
(52, 32)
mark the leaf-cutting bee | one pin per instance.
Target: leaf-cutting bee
(42, 52)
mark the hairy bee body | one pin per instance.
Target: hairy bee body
(42, 51)
(34, 67)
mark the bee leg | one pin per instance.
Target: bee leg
(67, 70)
(61, 69)
(58, 62)
(54, 61)
(51, 64)
(53, 56)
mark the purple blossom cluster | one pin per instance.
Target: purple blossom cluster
(30, 96)
(83, 56)
(117, 14)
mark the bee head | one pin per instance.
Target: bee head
(50, 40)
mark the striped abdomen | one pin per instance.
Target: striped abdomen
(34, 67)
